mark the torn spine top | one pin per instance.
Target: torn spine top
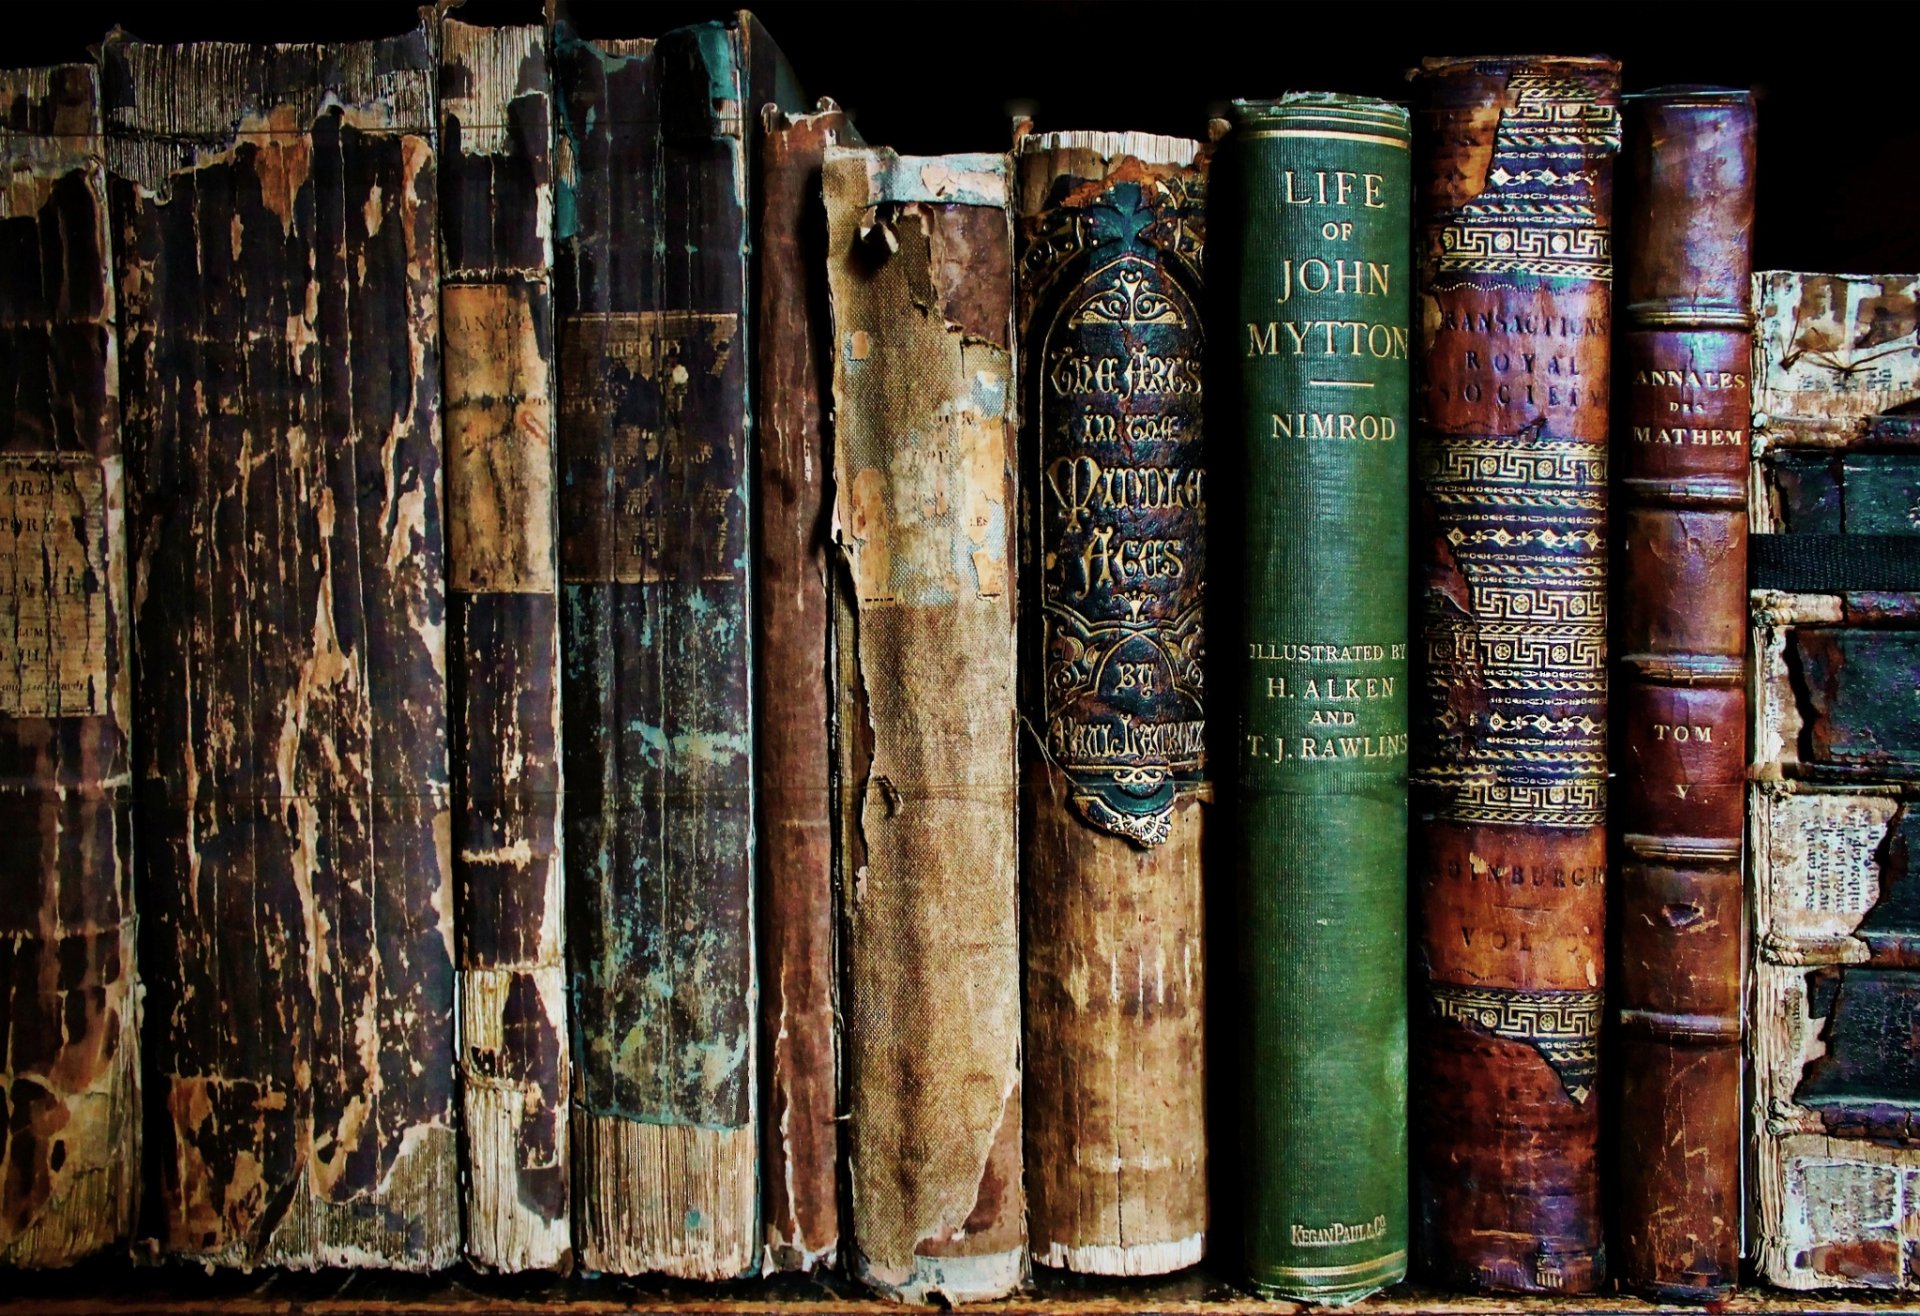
(69, 1014)
(275, 241)
(919, 264)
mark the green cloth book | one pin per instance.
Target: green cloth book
(1312, 219)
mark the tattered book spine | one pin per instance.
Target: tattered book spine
(1511, 359)
(1114, 771)
(920, 268)
(800, 1131)
(275, 246)
(503, 641)
(654, 499)
(1312, 213)
(69, 1022)
(1683, 724)
(1834, 793)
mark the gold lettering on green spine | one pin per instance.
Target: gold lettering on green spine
(1309, 247)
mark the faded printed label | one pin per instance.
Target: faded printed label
(930, 528)
(1846, 1214)
(499, 412)
(1833, 347)
(1821, 863)
(53, 602)
(653, 442)
(1122, 519)
(1834, 1011)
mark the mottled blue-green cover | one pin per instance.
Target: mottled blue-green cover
(654, 470)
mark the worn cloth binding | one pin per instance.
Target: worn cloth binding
(920, 272)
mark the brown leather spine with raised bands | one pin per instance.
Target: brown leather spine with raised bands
(1513, 171)
(800, 1133)
(1682, 747)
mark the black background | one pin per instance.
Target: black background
(1839, 140)
(1839, 168)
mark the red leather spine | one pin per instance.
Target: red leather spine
(1682, 734)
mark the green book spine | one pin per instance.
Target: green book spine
(1315, 231)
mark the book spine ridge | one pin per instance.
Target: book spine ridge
(1110, 247)
(503, 639)
(69, 1000)
(1511, 389)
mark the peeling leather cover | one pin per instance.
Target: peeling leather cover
(503, 641)
(277, 260)
(652, 209)
(799, 1016)
(1512, 325)
(69, 1019)
(1834, 799)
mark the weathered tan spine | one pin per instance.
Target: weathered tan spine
(275, 247)
(794, 764)
(1115, 1065)
(919, 266)
(496, 303)
(69, 1016)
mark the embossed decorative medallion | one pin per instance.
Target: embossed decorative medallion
(1122, 504)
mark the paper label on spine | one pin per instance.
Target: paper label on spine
(53, 601)
(653, 446)
(499, 410)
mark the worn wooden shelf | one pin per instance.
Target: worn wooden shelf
(123, 1289)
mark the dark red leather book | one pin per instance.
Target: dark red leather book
(1682, 635)
(800, 1134)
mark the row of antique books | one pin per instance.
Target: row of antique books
(596, 673)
